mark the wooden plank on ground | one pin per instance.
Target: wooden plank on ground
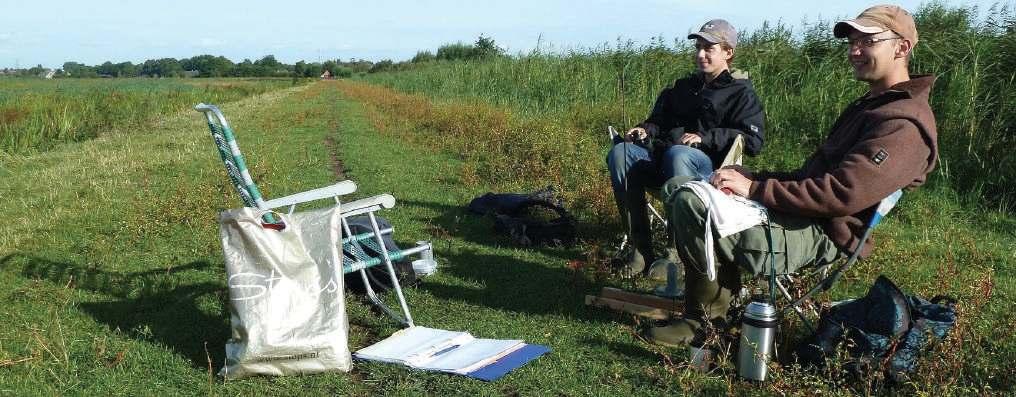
(642, 299)
(628, 307)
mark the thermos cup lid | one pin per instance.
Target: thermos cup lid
(760, 311)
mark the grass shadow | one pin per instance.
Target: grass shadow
(459, 222)
(156, 305)
(630, 350)
(512, 284)
(510, 281)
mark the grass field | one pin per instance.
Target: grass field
(113, 273)
(114, 280)
(37, 114)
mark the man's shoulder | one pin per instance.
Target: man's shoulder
(914, 109)
(907, 100)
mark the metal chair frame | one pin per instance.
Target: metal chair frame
(734, 156)
(355, 257)
(829, 274)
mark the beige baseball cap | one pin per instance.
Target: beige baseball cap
(717, 31)
(879, 19)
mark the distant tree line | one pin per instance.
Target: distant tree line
(267, 66)
(484, 47)
(212, 66)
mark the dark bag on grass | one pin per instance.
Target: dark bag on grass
(883, 322)
(378, 275)
(536, 218)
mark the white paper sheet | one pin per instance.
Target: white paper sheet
(469, 357)
(413, 346)
(438, 350)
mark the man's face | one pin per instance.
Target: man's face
(872, 55)
(711, 58)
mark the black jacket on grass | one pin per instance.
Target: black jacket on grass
(717, 111)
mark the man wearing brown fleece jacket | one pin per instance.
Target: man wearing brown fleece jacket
(883, 141)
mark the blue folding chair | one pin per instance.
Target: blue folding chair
(830, 278)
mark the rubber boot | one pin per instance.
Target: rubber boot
(704, 300)
(659, 273)
(635, 218)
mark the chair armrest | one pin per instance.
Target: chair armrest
(338, 189)
(735, 153)
(367, 204)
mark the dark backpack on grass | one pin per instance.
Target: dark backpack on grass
(536, 218)
(882, 323)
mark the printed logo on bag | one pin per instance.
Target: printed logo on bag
(246, 286)
(268, 359)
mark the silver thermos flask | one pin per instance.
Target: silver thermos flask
(758, 331)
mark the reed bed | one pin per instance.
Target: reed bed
(801, 75)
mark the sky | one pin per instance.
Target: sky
(94, 31)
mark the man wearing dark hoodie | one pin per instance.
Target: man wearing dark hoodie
(883, 141)
(691, 127)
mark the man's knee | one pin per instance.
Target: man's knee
(681, 201)
(686, 214)
(681, 154)
(672, 185)
(684, 160)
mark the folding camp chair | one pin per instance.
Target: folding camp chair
(826, 272)
(734, 156)
(360, 251)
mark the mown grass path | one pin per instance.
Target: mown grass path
(114, 282)
(113, 272)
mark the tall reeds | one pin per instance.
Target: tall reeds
(801, 75)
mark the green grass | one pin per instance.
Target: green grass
(800, 74)
(114, 280)
(37, 114)
(936, 242)
(113, 272)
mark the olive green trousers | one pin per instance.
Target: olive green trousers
(797, 241)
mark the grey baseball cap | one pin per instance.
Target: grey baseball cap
(717, 31)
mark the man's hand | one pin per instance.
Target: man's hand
(635, 134)
(740, 169)
(731, 180)
(690, 138)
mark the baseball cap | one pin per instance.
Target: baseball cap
(717, 31)
(879, 19)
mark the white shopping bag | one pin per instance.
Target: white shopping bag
(286, 301)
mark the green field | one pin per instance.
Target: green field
(38, 114)
(113, 272)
